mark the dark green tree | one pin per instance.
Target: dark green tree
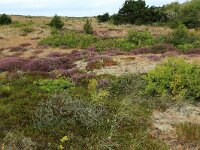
(5, 19)
(103, 18)
(56, 22)
(88, 29)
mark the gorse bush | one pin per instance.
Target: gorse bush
(88, 29)
(56, 22)
(174, 77)
(4, 19)
(103, 18)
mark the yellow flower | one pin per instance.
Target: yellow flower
(65, 138)
(61, 147)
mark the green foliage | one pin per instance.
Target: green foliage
(122, 44)
(70, 40)
(126, 85)
(183, 39)
(56, 22)
(186, 13)
(103, 18)
(142, 38)
(174, 77)
(50, 85)
(95, 94)
(5, 19)
(88, 29)
(137, 12)
(16, 107)
(17, 24)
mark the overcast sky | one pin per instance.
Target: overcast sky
(67, 7)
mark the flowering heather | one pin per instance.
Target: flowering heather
(154, 58)
(49, 64)
(163, 48)
(195, 51)
(155, 49)
(12, 63)
(80, 76)
(54, 54)
(103, 83)
(75, 55)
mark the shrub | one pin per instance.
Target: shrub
(140, 38)
(174, 77)
(88, 29)
(61, 109)
(15, 140)
(12, 63)
(126, 85)
(56, 22)
(103, 18)
(49, 64)
(110, 44)
(50, 85)
(4, 19)
(70, 40)
(181, 36)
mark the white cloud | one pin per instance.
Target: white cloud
(66, 7)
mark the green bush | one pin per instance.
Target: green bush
(70, 40)
(56, 22)
(4, 19)
(181, 36)
(50, 85)
(63, 110)
(103, 18)
(174, 77)
(108, 44)
(140, 38)
(88, 29)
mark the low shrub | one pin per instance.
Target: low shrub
(15, 140)
(70, 40)
(12, 63)
(61, 109)
(5, 19)
(181, 36)
(49, 64)
(110, 44)
(52, 85)
(174, 77)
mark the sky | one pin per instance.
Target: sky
(76, 8)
